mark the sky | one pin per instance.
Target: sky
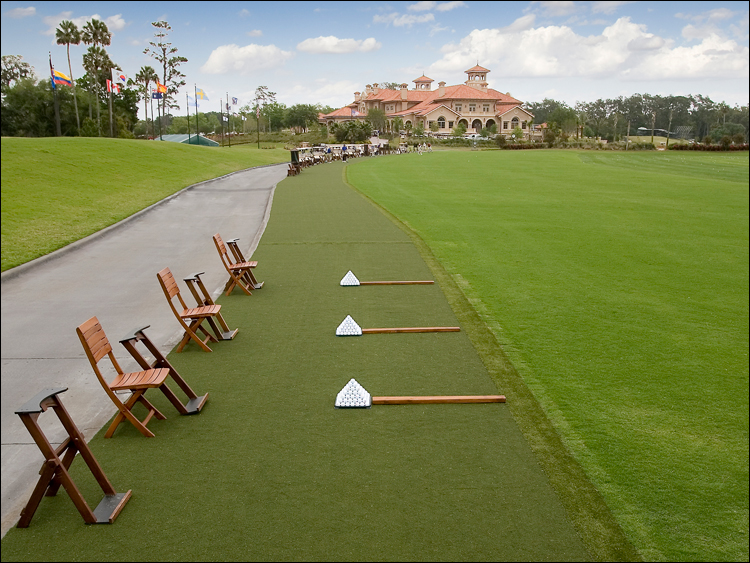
(322, 52)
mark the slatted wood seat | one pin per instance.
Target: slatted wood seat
(238, 271)
(191, 319)
(234, 246)
(96, 346)
(203, 298)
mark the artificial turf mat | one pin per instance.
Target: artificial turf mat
(271, 471)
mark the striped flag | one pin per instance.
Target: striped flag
(59, 78)
(112, 87)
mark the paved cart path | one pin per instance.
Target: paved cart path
(111, 275)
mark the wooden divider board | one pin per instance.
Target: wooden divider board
(439, 399)
(411, 329)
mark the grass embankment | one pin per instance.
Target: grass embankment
(59, 190)
(271, 471)
(618, 286)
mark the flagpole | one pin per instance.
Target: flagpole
(158, 114)
(111, 87)
(197, 129)
(54, 92)
(228, 132)
(187, 106)
(151, 100)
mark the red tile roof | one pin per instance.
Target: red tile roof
(477, 69)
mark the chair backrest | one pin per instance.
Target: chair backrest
(222, 248)
(169, 285)
(96, 345)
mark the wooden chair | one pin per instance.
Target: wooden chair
(190, 319)
(203, 299)
(97, 346)
(55, 470)
(238, 271)
(234, 246)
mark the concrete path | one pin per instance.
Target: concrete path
(111, 275)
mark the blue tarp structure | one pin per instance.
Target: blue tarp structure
(191, 140)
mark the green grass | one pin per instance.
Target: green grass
(57, 191)
(618, 286)
(271, 471)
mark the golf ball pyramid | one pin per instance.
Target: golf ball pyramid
(349, 279)
(349, 328)
(353, 396)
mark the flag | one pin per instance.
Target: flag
(193, 102)
(257, 112)
(355, 113)
(59, 78)
(235, 102)
(156, 96)
(119, 77)
(227, 108)
(111, 87)
(244, 118)
(225, 118)
(161, 88)
(201, 95)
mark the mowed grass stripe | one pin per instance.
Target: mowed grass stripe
(56, 191)
(271, 471)
(618, 286)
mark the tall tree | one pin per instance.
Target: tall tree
(145, 76)
(96, 33)
(162, 51)
(68, 34)
(14, 69)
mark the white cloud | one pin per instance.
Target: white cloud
(243, 13)
(624, 50)
(114, 23)
(332, 44)
(21, 12)
(604, 7)
(421, 6)
(244, 60)
(448, 6)
(561, 8)
(399, 20)
(255, 33)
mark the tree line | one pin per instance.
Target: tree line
(692, 117)
(28, 103)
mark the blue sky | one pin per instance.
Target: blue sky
(323, 52)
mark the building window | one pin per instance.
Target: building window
(472, 107)
(458, 108)
(441, 122)
(450, 125)
(514, 122)
(486, 108)
(523, 125)
(505, 124)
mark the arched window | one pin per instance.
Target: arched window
(441, 122)
(514, 123)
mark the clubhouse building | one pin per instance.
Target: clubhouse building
(472, 104)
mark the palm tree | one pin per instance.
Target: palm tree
(145, 76)
(68, 34)
(96, 33)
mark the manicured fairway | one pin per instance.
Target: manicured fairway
(271, 471)
(56, 191)
(618, 286)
